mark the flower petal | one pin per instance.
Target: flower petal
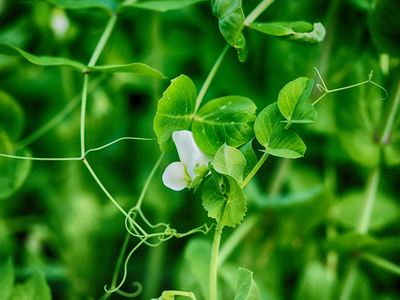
(175, 176)
(188, 151)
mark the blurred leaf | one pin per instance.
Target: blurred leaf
(271, 133)
(350, 242)
(385, 26)
(230, 161)
(161, 6)
(292, 98)
(241, 48)
(224, 120)
(106, 5)
(6, 279)
(300, 31)
(35, 288)
(347, 211)
(226, 203)
(13, 172)
(10, 50)
(289, 200)
(11, 116)
(250, 156)
(230, 19)
(134, 68)
(246, 287)
(315, 274)
(175, 110)
(392, 150)
(198, 255)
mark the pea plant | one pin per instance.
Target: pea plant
(286, 223)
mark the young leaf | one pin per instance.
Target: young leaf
(229, 161)
(230, 19)
(106, 5)
(160, 6)
(13, 172)
(292, 97)
(277, 140)
(34, 288)
(226, 203)
(300, 31)
(385, 26)
(224, 120)
(175, 110)
(6, 279)
(11, 116)
(250, 156)
(10, 50)
(246, 287)
(134, 68)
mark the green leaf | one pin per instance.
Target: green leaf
(175, 110)
(11, 116)
(303, 114)
(10, 50)
(300, 31)
(35, 288)
(385, 26)
(392, 150)
(160, 6)
(350, 242)
(347, 211)
(246, 287)
(230, 19)
(230, 161)
(224, 202)
(6, 279)
(293, 96)
(277, 140)
(13, 172)
(241, 48)
(105, 5)
(224, 120)
(134, 68)
(250, 156)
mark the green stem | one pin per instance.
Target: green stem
(392, 116)
(279, 177)
(210, 77)
(171, 294)
(368, 205)
(214, 262)
(103, 40)
(83, 113)
(349, 281)
(255, 169)
(103, 188)
(41, 158)
(257, 11)
(383, 263)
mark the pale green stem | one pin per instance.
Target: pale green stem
(210, 77)
(148, 180)
(279, 176)
(349, 281)
(383, 263)
(56, 119)
(368, 205)
(116, 141)
(171, 294)
(103, 188)
(257, 11)
(255, 169)
(392, 116)
(103, 40)
(214, 262)
(236, 237)
(42, 158)
(83, 113)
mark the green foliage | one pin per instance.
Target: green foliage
(34, 288)
(6, 279)
(300, 31)
(160, 6)
(224, 120)
(246, 287)
(230, 161)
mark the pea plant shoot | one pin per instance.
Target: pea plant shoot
(191, 117)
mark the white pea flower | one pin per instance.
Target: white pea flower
(181, 174)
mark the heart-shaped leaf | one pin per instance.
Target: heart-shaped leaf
(224, 120)
(271, 133)
(299, 31)
(230, 161)
(175, 110)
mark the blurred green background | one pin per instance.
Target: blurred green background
(59, 222)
